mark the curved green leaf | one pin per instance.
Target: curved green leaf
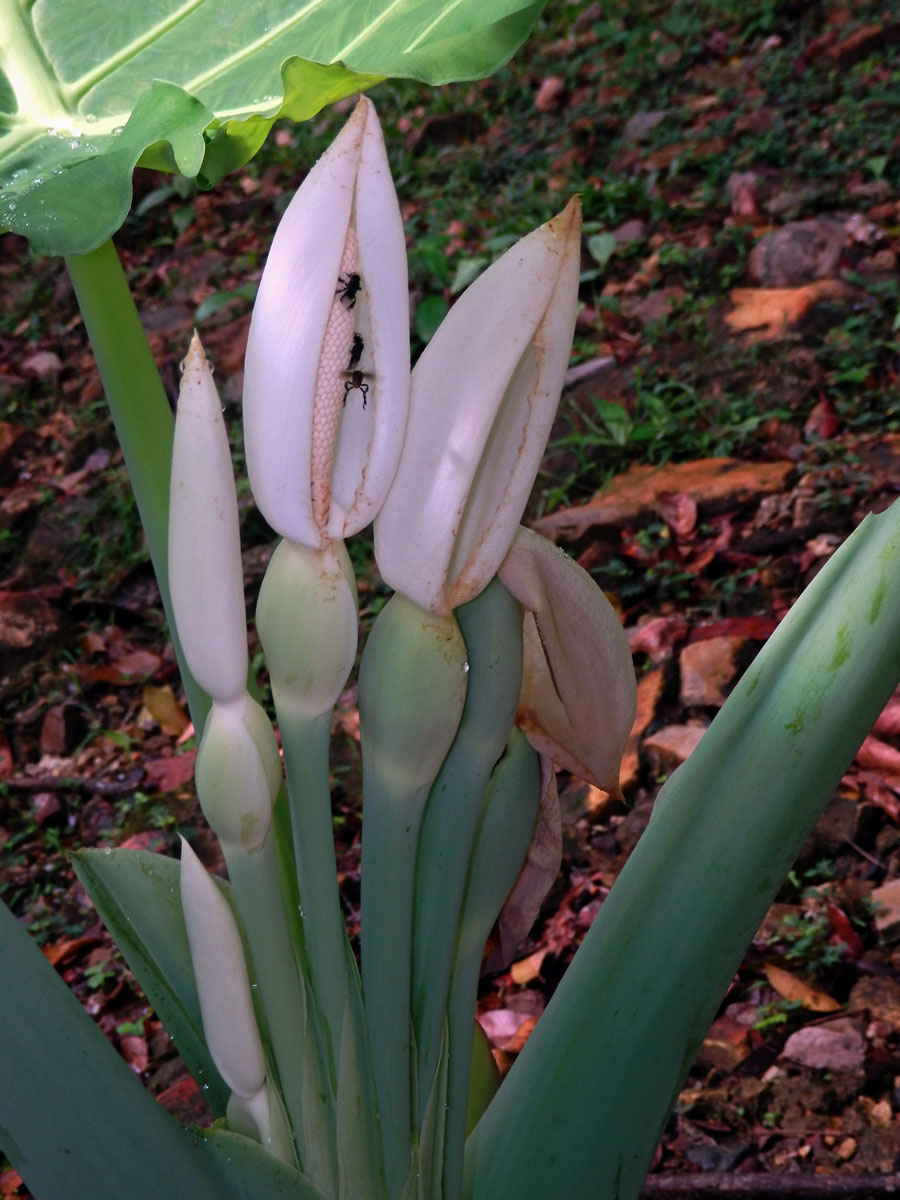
(138, 896)
(75, 1121)
(583, 1107)
(90, 87)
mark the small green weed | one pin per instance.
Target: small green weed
(777, 1012)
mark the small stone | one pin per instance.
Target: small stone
(833, 1047)
(45, 805)
(631, 231)
(799, 252)
(886, 907)
(550, 93)
(669, 748)
(41, 364)
(638, 126)
(708, 669)
(846, 1149)
(659, 304)
(882, 1114)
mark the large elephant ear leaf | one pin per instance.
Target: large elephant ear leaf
(90, 88)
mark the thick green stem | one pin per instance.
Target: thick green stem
(412, 686)
(305, 741)
(492, 629)
(391, 827)
(141, 414)
(505, 830)
(298, 1060)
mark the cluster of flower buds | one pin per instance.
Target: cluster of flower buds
(340, 433)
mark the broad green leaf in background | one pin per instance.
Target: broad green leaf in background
(90, 88)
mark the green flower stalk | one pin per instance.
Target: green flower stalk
(412, 688)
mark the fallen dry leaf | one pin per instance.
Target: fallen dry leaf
(823, 420)
(658, 636)
(633, 497)
(650, 688)
(886, 909)
(689, 151)
(550, 93)
(767, 312)
(10, 1184)
(679, 511)
(502, 1026)
(170, 774)
(527, 969)
(160, 702)
(6, 757)
(792, 987)
(56, 953)
(668, 748)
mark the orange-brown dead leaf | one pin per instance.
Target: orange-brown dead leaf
(170, 774)
(765, 313)
(792, 987)
(160, 702)
(633, 497)
(649, 693)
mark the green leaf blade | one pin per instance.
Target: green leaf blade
(138, 896)
(75, 1121)
(584, 1105)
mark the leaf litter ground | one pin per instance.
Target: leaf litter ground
(732, 412)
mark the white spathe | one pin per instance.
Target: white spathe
(484, 395)
(223, 987)
(322, 451)
(205, 572)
